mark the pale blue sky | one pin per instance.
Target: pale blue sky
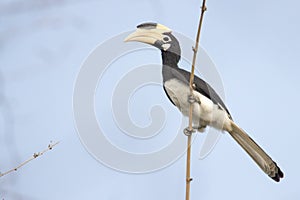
(254, 44)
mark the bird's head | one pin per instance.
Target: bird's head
(157, 35)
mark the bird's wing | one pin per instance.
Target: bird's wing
(202, 87)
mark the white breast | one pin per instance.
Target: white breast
(204, 113)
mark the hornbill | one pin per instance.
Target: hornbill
(208, 107)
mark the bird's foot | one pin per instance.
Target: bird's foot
(188, 132)
(192, 99)
(200, 129)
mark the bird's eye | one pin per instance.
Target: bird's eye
(166, 39)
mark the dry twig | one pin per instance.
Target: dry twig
(34, 156)
(188, 159)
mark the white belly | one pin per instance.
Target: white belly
(204, 113)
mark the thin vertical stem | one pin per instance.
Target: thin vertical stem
(188, 168)
(189, 142)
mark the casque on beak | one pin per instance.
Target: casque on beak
(149, 33)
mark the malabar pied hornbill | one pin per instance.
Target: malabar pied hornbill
(208, 107)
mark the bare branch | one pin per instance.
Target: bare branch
(34, 156)
(189, 142)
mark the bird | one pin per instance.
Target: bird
(208, 107)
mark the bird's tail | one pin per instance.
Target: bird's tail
(256, 152)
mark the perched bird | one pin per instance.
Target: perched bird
(208, 107)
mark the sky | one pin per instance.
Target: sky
(44, 47)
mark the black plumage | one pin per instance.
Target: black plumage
(170, 69)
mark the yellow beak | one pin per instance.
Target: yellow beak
(148, 36)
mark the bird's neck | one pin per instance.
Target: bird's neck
(170, 59)
(170, 62)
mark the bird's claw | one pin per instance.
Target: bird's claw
(192, 99)
(188, 132)
(200, 129)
